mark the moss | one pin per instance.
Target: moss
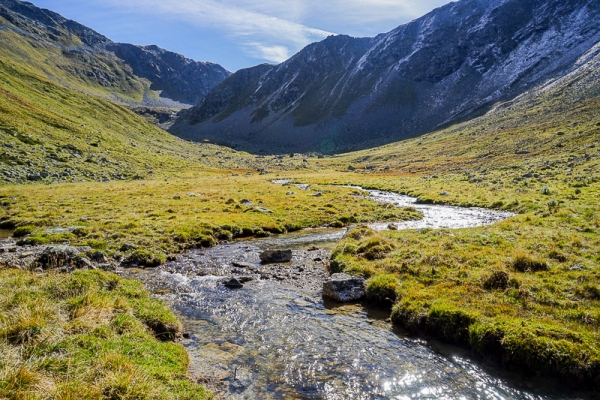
(381, 289)
(148, 257)
(375, 247)
(23, 231)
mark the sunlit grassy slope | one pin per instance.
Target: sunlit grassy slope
(88, 335)
(82, 68)
(52, 134)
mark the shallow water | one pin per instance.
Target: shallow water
(270, 340)
(435, 215)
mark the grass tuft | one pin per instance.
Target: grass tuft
(89, 334)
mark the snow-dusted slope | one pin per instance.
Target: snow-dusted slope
(345, 93)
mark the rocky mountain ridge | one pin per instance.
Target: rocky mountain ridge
(81, 58)
(344, 93)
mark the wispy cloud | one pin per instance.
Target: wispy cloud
(267, 36)
(274, 30)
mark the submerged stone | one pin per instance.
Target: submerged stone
(233, 284)
(276, 256)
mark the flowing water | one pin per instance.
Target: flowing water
(276, 338)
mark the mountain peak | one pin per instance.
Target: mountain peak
(83, 59)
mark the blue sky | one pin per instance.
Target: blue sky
(238, 33)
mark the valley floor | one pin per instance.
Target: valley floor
(525, 291)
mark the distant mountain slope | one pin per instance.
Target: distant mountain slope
(80, 58)
(177, 77)
(552, 128)
(344, 93)
(51, 134)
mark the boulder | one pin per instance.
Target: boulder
(55, 257)
(241, 264)
(344, 288)
(233, 284)
(275, 256)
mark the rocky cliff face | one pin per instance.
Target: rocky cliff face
(346, 93)
(79, 57)
(30, 20)
(176, 77)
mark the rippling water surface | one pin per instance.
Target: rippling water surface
(269, 340)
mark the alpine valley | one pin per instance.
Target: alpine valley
(171, 230)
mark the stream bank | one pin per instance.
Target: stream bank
(276, 338)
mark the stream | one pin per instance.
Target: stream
(276, 338)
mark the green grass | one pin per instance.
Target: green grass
(100, 73)
(88, 335)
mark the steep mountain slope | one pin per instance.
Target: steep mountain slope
(345, 93)
(80, 58)
(549, 130)
(49, 133)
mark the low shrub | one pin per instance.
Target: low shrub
(525, 263)
(498, 280)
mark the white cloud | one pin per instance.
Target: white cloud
(260, 35)
(273, 30)
(272, 53)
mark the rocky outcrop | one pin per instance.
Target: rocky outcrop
(344, 288)
(44, 258)
(45, 24)
(176, 77)
(346, 93)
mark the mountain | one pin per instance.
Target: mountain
(346, 93)
(80, 58)
(553, 128)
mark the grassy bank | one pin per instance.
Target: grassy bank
(525, 291)
(88, 335)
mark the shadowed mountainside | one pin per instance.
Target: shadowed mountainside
(346, 93)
